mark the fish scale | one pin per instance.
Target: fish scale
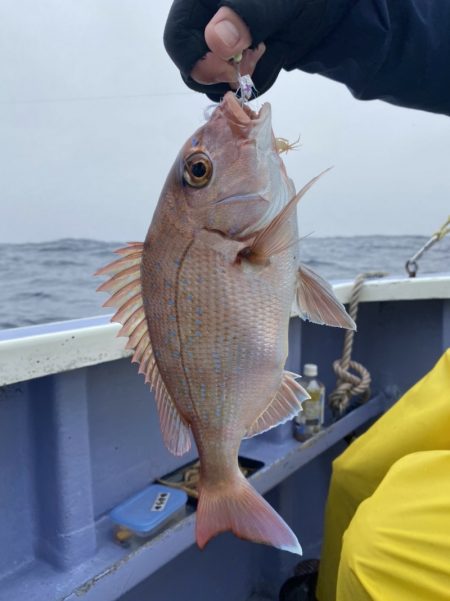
(246, 324)
(162, 315)
(205, 303)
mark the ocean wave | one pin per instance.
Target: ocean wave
(53, 281)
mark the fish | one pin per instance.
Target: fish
(205, 302)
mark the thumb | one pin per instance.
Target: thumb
(226, 34)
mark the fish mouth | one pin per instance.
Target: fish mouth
(241, 114)
(248, 124)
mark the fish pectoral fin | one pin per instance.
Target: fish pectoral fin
(284, 406)
(277, 236)
(317, 302)
(126, 296)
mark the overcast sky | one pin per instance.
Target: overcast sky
(93, 113)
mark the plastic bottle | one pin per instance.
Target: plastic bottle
(310, 420)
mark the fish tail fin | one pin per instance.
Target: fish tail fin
(239, 508)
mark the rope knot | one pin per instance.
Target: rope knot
(349, 385)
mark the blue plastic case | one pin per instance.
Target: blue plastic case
(149, 510)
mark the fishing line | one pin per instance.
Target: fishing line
(209, 110)
(94, 98)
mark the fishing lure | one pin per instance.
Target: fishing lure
(246, 85)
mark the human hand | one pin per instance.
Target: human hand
(201, 37)
(226, 36)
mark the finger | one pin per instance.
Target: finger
(250, 59)
(226, 34)
(212, 69)
(263, 74)
(248, 63)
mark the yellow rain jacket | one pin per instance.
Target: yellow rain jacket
(398, 546)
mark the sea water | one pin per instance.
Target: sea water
(53, 281)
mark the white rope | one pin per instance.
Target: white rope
(350, 384)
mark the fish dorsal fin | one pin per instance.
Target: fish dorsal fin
(284, 406)
(317, 303)
(126, 296)
(277, 236)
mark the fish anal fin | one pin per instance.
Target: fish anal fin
(284, 406)
(317, 302)
(127, 297)
(175, 430)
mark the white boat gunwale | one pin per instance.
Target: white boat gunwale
(37, 351)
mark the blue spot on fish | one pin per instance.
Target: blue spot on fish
(217, 362)
(195, 142)
(183, 385)
(199, 311)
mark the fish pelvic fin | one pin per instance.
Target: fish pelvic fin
(284, 406)
(125, 288)
(317, 302)
(239, 508)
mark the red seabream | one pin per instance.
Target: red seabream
(206, 301)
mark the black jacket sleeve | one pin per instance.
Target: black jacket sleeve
(394, 50)
(289, 29)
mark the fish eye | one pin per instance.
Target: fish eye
(197, 170)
